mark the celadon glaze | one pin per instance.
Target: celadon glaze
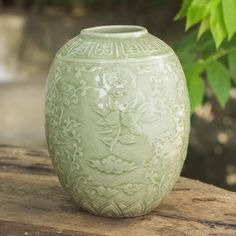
(117, 119)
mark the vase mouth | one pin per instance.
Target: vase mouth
(115, 31)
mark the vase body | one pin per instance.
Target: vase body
(117, 120)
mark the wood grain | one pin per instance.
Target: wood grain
(32, 202)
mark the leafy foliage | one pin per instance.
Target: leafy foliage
(217, 15)
(207, 57)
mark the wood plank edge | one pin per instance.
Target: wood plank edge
(17, 228)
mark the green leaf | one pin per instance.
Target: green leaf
(203, 27)
(183, 10)
(217, 25)
(193, 68)
(229, 11)
(206, 46)
(232, 64)
(196, 91)
(211, 4)
(195, 12)
(219, 82)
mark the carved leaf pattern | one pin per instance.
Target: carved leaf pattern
(107, 140)
(101, 111)
(127, 139)
(101, 122)
(136, 130)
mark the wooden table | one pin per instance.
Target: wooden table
(32, 202)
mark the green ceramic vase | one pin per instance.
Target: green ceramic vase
(117, 119)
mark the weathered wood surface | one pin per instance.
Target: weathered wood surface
(33, 203)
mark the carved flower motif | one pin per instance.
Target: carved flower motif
(119, 122)
(117, 82)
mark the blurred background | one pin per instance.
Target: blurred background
(31, 31)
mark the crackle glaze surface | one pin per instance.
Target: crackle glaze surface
(117, 122)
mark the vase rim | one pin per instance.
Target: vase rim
(115, 31)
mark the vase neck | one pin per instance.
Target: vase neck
(115, 31)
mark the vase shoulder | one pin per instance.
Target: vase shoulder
(113, 46)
